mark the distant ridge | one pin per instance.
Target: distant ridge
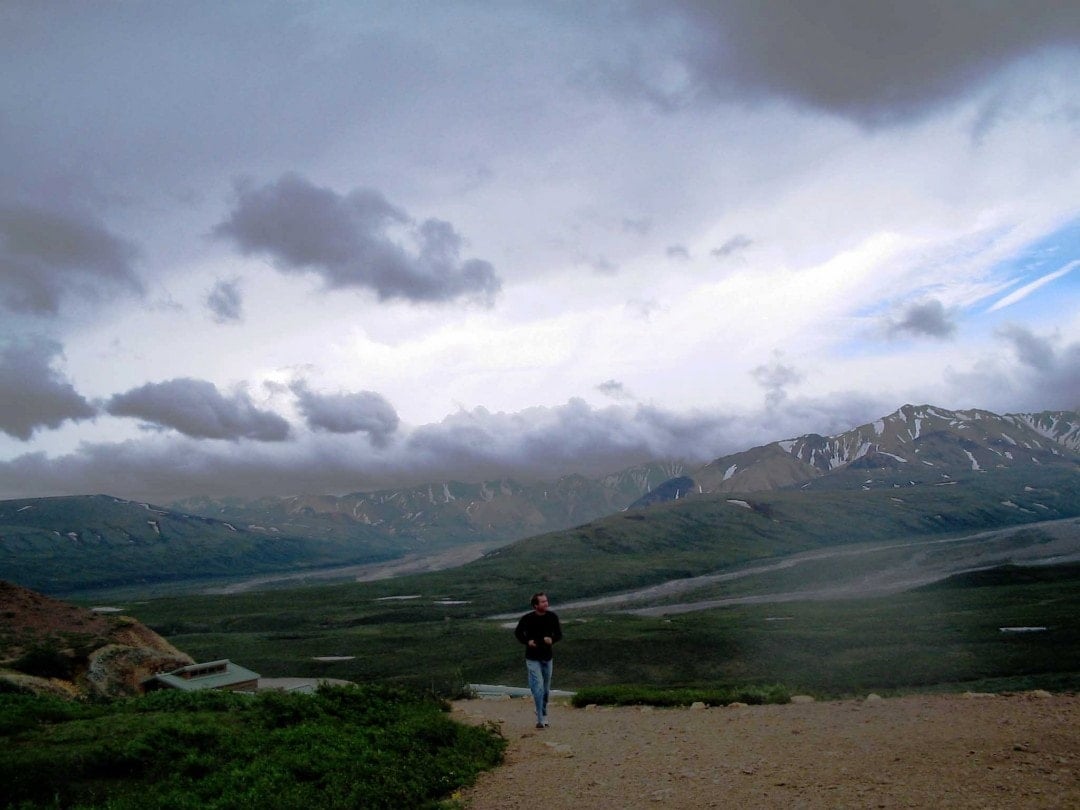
(65, 544)
(62, 545)
(436, 515)
(71, 544)
(919, 441)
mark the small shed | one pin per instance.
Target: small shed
(223, 674)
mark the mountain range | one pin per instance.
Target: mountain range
(923, 443)
(69, 544)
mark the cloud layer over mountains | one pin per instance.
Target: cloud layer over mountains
(286, 247)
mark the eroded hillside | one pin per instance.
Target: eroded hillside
(54, 647)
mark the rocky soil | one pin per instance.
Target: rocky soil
(973, 751)
(79, 652)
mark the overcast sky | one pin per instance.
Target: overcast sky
(322, 247)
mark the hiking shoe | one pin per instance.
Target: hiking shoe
(541, 725)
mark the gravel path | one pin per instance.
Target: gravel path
(981, 751)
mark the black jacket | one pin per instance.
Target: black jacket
(536, 626)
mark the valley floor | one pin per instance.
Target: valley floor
(409, 564)
(976, 751)
(888, 568)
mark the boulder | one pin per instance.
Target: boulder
(49, 646)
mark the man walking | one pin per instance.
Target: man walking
(538, 630)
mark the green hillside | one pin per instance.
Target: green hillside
(698, 535)
(70, 544)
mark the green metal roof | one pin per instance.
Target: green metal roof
(210, 675)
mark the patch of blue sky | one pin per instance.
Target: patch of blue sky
(1042, 286)
(1044, 275)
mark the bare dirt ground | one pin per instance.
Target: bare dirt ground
(982, 751)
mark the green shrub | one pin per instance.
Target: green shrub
(21, 712)
(343, 747)
(172, 700)
(632, 695)
(46, 662)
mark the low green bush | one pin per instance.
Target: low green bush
(45, 661)
(343, 747)
(22, 711)
(633, 695)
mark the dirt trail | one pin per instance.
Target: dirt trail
(1015, 751)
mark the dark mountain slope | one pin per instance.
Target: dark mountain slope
(708, 532)
(61, 545)
(437, 516)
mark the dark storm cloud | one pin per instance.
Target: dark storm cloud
(614, 389)
(1031, 350)
(32, 394)
(547, 442)
(732, 246)
(197, 409)
(775, 379)
(225, 302)
(355, 240)
(826, 416)
(1053, 375)
(149, 471)
(873, 62)
(535, 444)
(927, 318)
(48, 255)
(1035, 374)
(540, 442)
(356, 412)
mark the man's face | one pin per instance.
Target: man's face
(541, 604)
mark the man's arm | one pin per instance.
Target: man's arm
(520, 632)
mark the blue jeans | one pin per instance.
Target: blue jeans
(540, 686)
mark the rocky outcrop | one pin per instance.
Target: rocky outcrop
(48, 646)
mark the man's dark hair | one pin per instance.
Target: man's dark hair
(536, 598)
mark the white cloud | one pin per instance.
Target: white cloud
(1028, 289)
(689, 226)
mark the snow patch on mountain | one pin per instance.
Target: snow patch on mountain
(1060, 427)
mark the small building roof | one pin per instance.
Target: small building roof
(209, 675)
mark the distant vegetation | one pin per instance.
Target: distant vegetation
(941, 638)
(653, 696)
(371, 747)
(435, 631)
